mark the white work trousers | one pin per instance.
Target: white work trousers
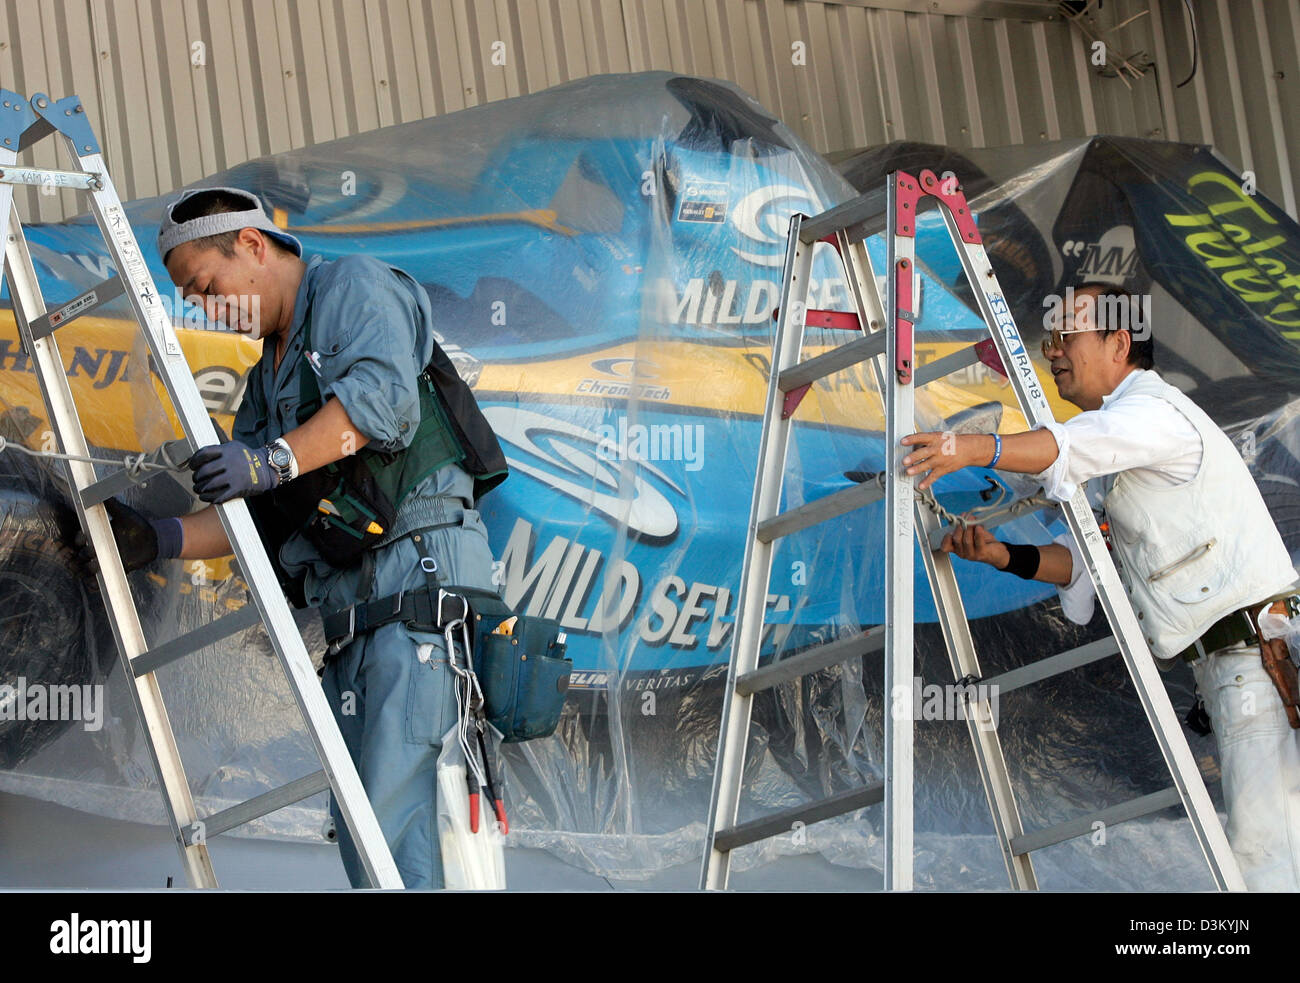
(1259, 758)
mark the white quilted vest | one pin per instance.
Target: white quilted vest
(1192, 553)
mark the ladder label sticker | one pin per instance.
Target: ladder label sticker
(703, 202)
(71, 310)
(137, 274)
(127, 249)
(1020, 360)
(162, 326)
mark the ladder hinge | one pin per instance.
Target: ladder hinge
(68, 117)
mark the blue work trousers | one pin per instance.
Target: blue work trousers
(392, 694)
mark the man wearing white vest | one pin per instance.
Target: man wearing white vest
(1192, 539)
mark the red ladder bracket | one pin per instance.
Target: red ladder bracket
(956, 201)
(841, 320)
(904, 343)
(907, 192)
(987, 352)
(813, 318)
(792, 400)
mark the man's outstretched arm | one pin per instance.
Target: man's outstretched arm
(937, 454)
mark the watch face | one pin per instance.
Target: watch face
(280, 458)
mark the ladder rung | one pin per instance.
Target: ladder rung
(947, 365)
(95, 297)
(826, 507)
(982, 351)
(46, 178)
(173, 454)
(781, 822)
(261, 805)
(1132, 809)
(828, 363)
(797, 666)
(859, 218)
(105, 488)
(192, 641)
(1054, 665)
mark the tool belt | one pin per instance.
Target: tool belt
(1239, 626)
(1228, 630)
(519, 660)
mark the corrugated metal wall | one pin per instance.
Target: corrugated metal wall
(1245, 95)
(181, 88)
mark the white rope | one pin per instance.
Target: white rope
(135, 464)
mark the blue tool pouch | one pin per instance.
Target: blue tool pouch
(524, 674)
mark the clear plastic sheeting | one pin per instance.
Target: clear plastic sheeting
(603, 261)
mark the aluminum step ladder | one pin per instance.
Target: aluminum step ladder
(23, 122)
(886, 339)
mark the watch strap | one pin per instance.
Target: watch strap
(285, 474)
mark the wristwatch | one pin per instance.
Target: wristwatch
(281, 459)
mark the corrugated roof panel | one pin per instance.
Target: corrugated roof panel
(272, 75)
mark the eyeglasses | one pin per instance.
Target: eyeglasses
(1056, 338)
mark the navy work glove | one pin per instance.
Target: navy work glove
(232, 470)
(140, 540)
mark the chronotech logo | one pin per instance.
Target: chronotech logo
(627, 377)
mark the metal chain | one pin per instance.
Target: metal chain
(1031, 503)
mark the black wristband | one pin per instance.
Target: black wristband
(1024, 560)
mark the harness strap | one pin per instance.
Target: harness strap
(423, 609)
(367, 579)
(427, 608)
(433, 446)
